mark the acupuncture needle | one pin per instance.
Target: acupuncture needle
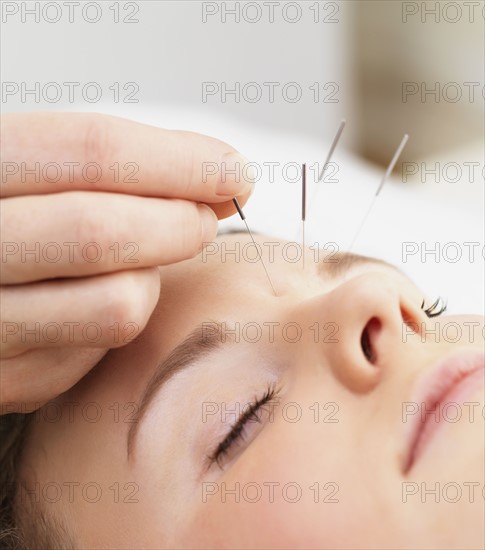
(303, 210)
(389, 170)
(243, 218)
(341, 127)
(335, 141)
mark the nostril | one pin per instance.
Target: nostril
(367, 340)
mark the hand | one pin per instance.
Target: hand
(90, 204)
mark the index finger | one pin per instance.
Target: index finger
(56, 152)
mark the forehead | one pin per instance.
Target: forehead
(238, 246)
(228, 271)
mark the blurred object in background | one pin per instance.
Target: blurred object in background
(274, 79)
(389, 67)
(418, 66)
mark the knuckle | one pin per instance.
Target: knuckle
(125, 305)
(97, 142)
(94, 229)
(193, 174)
(187, 178)
(190, 232)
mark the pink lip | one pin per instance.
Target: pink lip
(451, 380)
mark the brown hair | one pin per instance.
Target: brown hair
(22, 525)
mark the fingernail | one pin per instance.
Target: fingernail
(236, 175)
(209, 222)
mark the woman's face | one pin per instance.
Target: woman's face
(344, 449)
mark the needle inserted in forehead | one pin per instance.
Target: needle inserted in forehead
(389, 170)
(243, 218)
(332, 147)
(303, 210)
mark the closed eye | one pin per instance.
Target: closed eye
(237, 433)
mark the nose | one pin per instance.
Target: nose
(369, 312)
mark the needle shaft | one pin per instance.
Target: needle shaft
(327, 160)
(389, 170)
(332, 147)
(243, 218)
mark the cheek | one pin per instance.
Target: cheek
(468, 330)
(268, 512)
(278, 495)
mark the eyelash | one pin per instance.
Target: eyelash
(252, 413)
(236, 434)
(434, 310)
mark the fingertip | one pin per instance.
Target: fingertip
(142, 290)
(244, 197)
(153, 289)
(209, 222)
(236, 175)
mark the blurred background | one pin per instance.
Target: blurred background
(275, 79)
(386, 66)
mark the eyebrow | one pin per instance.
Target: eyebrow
(342, 262)
(204, 340)
(209, 337)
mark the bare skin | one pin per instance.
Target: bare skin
(90, 205)
(355, 488)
